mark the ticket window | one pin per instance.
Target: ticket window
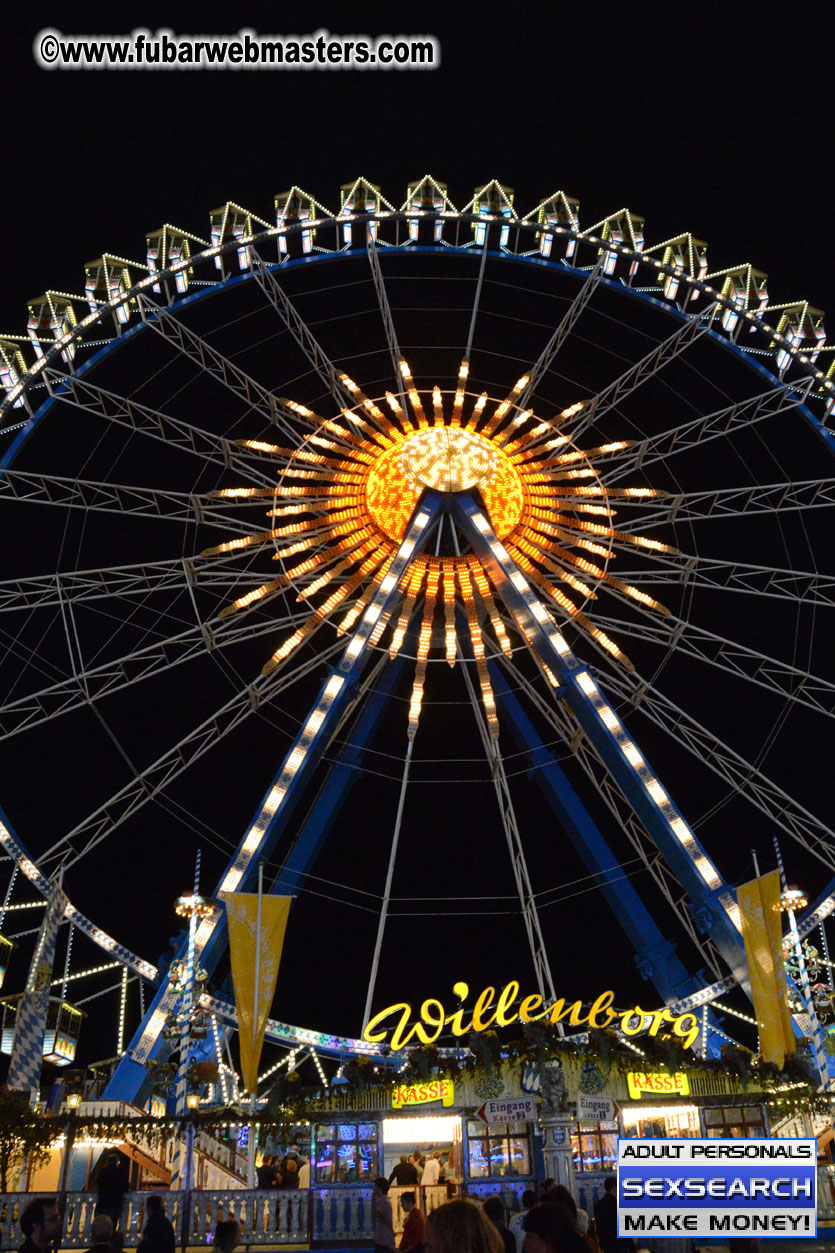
(498, 1150)
(735, 1122)
(594, 1147)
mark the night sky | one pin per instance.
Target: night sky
(712, 120)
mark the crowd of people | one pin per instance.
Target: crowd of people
(427, 1170)
(290, 1171)
(40, 1223)
(550, 1223)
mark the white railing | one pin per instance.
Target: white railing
(272, 1217)
(275, 1216)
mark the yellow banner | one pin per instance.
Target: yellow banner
(762, 936)
(242, 920)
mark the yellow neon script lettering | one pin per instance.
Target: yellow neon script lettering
(374, 1023)
(688, 1033)
(574, 1011)
(483, 1003)
(626, 1021)
(432, 1013)
(456, 1019)
(433, 1018)
(529, 1004)
(508, 996)
(603, 1005)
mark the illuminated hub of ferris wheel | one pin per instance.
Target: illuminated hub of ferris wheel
(531, 519)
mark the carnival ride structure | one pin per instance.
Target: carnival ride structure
(574, 467)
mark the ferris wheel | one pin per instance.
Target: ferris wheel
(307, 474)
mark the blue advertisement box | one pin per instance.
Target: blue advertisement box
(715, 1189)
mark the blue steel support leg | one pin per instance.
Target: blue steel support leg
(655, 957)
(712, 903)
(284, 793)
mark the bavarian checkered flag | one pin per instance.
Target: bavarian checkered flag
(30, 1025)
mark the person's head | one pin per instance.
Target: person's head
(461, 1227)
(493, 1207)
(437, 1155)
(101, 1229)
(113, 1159)
(267, 1159)
(548, 1229)
(559, 1195)
(381, 1185)
(407, 1200)
(610, 1183)
(403, 1159)
(290, 1166)
(227, 1235)
(153, 1205)
(41, 1222)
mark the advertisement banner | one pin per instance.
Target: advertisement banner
(717, 1189)
(242, 920)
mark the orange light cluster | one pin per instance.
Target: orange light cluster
(349, 492)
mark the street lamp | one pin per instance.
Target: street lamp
(73, 1102)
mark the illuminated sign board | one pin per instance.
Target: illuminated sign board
(422, 1093)
(657, 1084)
(492, 1011)
(717, 1189)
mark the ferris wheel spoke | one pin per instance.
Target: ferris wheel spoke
(717, 425)
(518, 861)
(745, 778)
(218, 366)
(89, 685)
(797, 586)
(385, 312)
(149, 783)
(648, 367)
(733, 658)
(143, 420)
(730, 502)
(298, 328)
(477, 296)
(121, 498)
(563, 330)
(42, 591)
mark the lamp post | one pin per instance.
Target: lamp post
(73, 1102)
